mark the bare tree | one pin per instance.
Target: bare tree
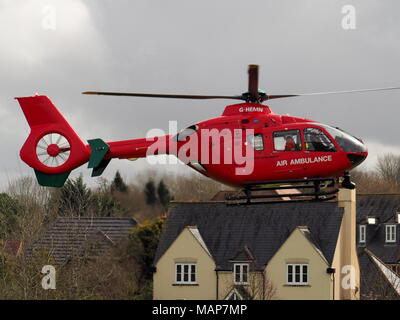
(371, 182)
(388, 167)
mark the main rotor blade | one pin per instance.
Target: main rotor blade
(274, 96)
(253, 81)
(156, 95)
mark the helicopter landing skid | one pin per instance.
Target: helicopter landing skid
(304, 190)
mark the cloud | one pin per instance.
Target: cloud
(375, 150)
(39, 30)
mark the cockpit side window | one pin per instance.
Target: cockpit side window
(185, 133)
(288, 140)
(317, 140)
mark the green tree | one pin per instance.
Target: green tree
(164, 196)
(150, 193)
(106, 205)
(143, 242)
(10, 209)
(118, 183)
(75, 197)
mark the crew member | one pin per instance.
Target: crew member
(290, 144)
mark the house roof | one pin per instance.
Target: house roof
(195, 232)
(240, 291)
(263, 228)
(243, 254)
(70, 235)
(374, 284)
(392, 277)
(309, 236)
(384, 208)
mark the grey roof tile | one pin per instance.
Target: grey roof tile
(69, 235)
(383, 207)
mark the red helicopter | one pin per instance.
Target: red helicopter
(283, 149)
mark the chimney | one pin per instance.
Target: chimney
(349, 266)
(164, 215)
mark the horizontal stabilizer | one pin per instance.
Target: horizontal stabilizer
(96, 160)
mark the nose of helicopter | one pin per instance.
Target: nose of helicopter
(357, 152)
(354, 148)
(357, 158)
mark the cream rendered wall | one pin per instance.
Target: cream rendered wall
(337, 263)
(346, 252)
(225, 282)
(185, 248)
(298, 249)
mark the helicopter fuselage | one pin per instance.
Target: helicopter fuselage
(248, 143)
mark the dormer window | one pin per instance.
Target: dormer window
(241, 273)
(390, 231)
(362, 233)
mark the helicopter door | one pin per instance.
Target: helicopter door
(287, 146)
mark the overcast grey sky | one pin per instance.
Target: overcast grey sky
(185, 46)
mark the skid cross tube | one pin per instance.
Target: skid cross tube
(323, 189)
(260, 183)
(233, 203)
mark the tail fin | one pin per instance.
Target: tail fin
(53, 148)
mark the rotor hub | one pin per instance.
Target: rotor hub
(257, 97)
(53, 150)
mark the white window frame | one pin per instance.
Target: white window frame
(390, 233)
(294, 282)
(182, 273)
(362, 233)
(241, 273)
